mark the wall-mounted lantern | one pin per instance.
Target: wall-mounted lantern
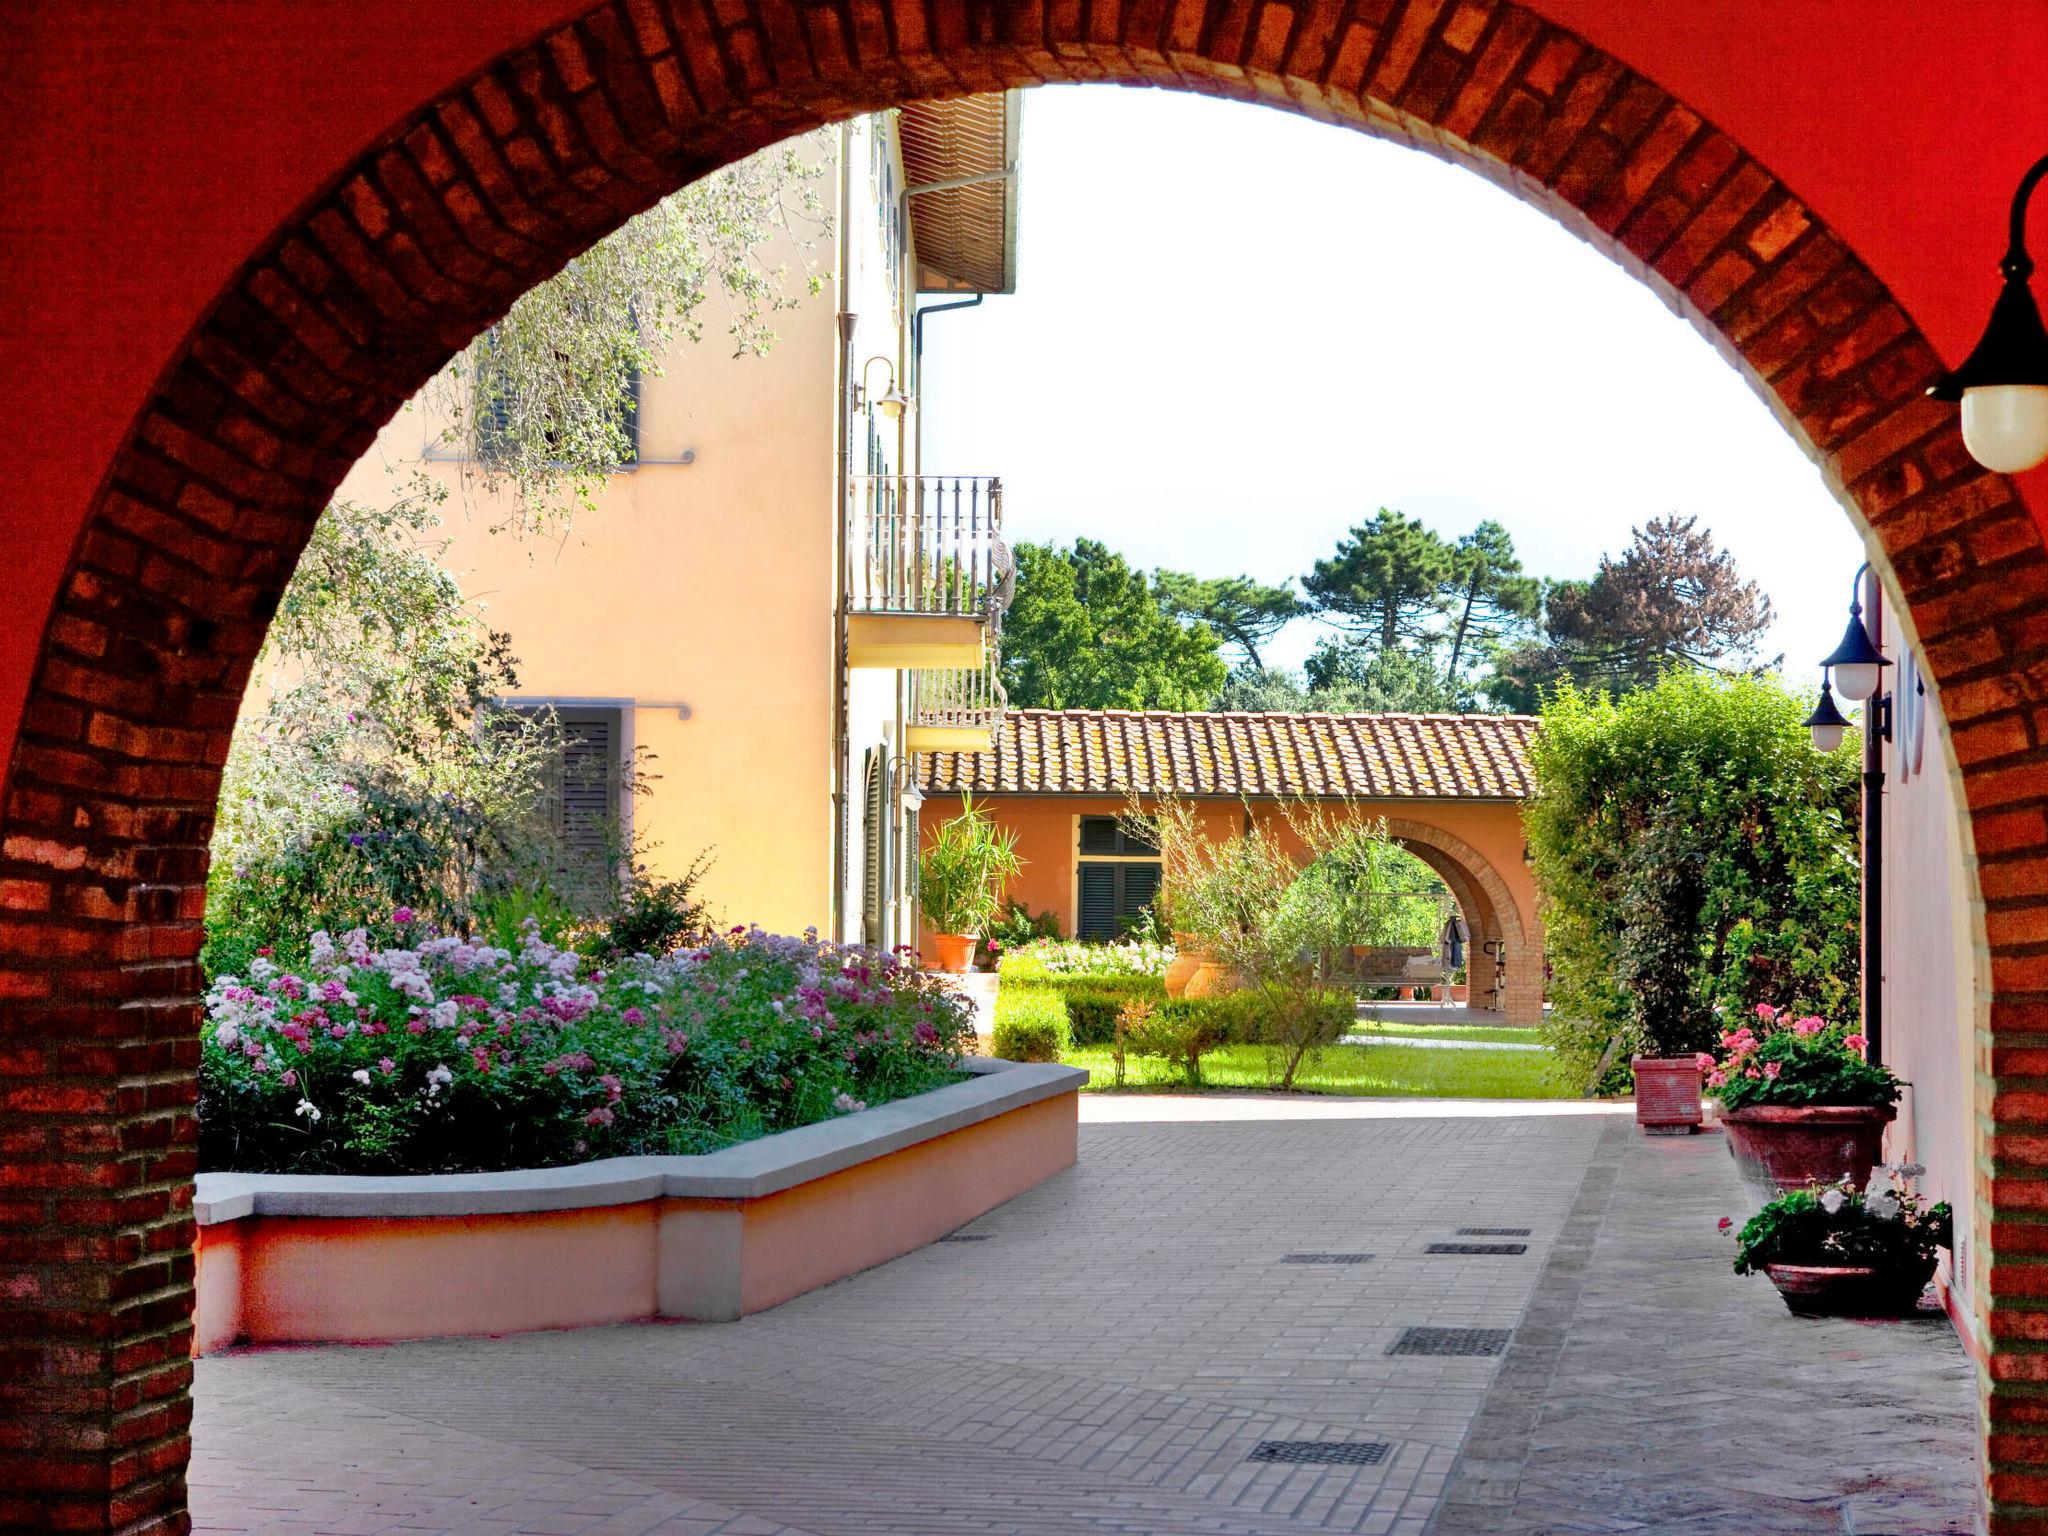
(891, 401)
(2003, 383)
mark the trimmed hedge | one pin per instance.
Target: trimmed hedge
(1030, 1026)
(1091, 1002)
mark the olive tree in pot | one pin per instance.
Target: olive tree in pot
(960, 880)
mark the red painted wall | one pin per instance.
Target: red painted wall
(145, 149)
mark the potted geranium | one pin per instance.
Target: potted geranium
(1799, 1103)
(1843, 1251)
(960, 879)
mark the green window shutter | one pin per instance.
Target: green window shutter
(1105, 835)
(1098, 902)
(1141, 884)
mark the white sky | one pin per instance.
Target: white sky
(1238, 332)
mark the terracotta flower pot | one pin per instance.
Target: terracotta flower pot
(1187, 959)
(1785, 1146)
(1818, 1290)
(955, 951)
(1407, 994)
(1461, 991)
(1667, 1095)
(1211, 978)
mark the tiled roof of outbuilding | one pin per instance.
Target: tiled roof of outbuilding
(1255, 756)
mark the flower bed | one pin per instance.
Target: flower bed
(435, 1054)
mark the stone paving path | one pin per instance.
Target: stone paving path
(1106, 1353)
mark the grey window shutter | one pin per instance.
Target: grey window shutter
(871, 854)
(589, 803)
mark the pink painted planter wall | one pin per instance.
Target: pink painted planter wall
(273, 1279)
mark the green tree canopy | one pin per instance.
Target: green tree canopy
(1692, 853)
(1086, 632)
(1386, 583)
(1492, 598)
(1244, 612)
(1672, 599)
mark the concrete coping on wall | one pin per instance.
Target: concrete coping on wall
(745, 1172)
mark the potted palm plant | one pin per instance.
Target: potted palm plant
(1843, 1251)
(1799, 1103)
(960, 880)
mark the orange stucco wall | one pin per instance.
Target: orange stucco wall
(1046, 830)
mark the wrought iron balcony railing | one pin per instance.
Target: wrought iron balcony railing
(930, 544)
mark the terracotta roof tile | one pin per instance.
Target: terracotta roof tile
(1262, 756)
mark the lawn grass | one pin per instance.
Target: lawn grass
(1372, 1070)
(1490, 1034)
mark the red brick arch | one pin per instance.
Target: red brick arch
(434, 231)
(1491, 913)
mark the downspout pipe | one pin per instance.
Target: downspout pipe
(917, 361)
(1877, 730)
(842, 542)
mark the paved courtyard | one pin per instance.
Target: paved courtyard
(1117, 1350)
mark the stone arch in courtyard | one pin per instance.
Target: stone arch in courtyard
(437, 226)
(1491, 913)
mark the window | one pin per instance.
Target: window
(494, 418)
(1106, 835)
(1119, 876)
(583, 789)
(1112, 897)
(586, 802)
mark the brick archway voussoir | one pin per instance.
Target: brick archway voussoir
(436, 228)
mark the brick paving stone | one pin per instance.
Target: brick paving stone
(1107, 1360)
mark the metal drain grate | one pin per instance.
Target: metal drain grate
(1322, 1453)
(1451, 1341)
(1323, 1258)
(1494, 1248)
(1494, 1232)
(966, 1237)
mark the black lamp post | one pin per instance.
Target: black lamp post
(1857, 664)
(2003, 383)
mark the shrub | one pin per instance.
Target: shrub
(1091, 1002)
(1030, 1026)
(434, 1054)
(655, 917)
(1692, 851)
(1014, 926)
(1180, 1031)
(1292, 1025)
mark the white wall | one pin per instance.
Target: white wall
(1927, 963)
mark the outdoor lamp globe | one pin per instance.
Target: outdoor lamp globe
(2003, 383)
(1827, 724)
(1856, 665)
(2005, 426)
(891, 405)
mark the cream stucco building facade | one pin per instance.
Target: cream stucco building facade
(744, 614)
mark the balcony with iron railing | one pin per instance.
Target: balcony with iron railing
(930, 572)
(956, 709)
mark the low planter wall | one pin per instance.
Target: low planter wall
(302, 1258)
